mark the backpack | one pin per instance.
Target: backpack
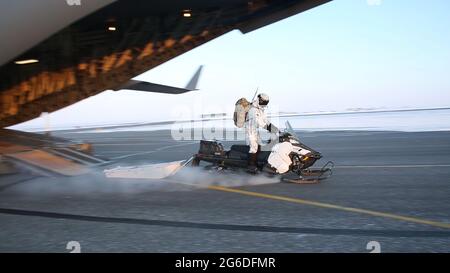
(241, 109)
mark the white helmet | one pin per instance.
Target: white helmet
(263, 99)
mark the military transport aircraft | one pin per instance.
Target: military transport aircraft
(59, 52)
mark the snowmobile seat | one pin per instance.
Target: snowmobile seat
(238, 152)
(241, 152)
(240, 148)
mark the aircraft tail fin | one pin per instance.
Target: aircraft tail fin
(192, 84)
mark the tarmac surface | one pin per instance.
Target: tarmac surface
(388, 187)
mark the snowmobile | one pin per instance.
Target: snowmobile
(236, 159)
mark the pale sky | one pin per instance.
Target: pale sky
(344, 54)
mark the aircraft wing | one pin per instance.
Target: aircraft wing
(92, 46)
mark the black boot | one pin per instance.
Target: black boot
(252, 160)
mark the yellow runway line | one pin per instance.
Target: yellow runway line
(390, 166)
(331, 206)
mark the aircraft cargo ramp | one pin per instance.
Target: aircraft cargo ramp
(44, 154)
(48, 162)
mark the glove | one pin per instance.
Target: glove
(272, 128)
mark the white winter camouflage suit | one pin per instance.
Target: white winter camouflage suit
(256, 118)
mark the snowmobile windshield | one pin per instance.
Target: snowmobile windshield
(294, 135)
(291, 131)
